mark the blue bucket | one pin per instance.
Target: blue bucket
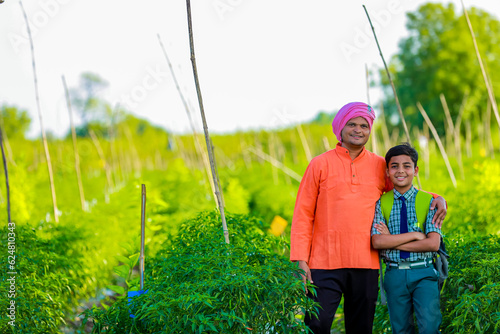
(131, 294)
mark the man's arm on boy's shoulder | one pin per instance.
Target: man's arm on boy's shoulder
(440, 203)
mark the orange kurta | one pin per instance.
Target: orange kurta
(334, 210)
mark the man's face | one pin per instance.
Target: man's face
(401, 171)
(356, 132)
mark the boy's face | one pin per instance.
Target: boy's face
(401, 171)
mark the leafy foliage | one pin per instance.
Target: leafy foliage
(203, 285)
(438, 57)
(51, 278)
(469, 299)
(14, 122)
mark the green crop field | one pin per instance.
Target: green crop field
(72, 204)
(73, 275)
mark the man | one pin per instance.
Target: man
(333, 214)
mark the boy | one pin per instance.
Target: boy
(411, 282)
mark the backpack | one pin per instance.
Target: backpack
(422, 203)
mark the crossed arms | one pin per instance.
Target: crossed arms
(410, 242)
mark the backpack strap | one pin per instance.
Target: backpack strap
(386, 203)
(422, 202)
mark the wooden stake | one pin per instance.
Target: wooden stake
(276, 163)
(440, 144)
(10, 155)
(100, 152)
(458, 138)
(468, 139)
(199, 148)
(75, 146)
(450, 129)
(205, 127)
(116, 161)
(392, 83)
(487, 130)
(272, 153)
(373, 134)
(393, 89)
(143, 231)
(6, 178)
(305, 144)
(136, 160)
(385, 131)
(37, 98)
(326, 144)
(426, 152)
(483, 71)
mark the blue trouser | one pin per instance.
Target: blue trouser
(411, 290)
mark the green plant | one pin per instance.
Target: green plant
(203, 285)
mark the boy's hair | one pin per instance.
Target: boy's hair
(403, 149)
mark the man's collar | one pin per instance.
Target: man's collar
(345, 150)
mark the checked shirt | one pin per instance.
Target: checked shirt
(392, 255)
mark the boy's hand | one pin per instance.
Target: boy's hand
(382, 228)
(440, 214)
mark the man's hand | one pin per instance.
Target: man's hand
(440, 204)
(303, 265)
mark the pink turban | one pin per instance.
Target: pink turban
(350, 111)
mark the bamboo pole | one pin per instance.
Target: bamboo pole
(373, 133)
(75, 146)
(487, 130)
(450, 128)
(393, 89)
(10, 155)
(305, 144)
(246, 157)
(427, 158)
(205, 127)
(438, 141)
(272, 153)
(100, 152)
(390, 79)
(293, 144)
(6, 178)
(136, 160)
(116, 161)
(491, 96)
(275, 163)
(282, 157)
(458, 138)
(326, 144)
(199, 148)
(143, 232)
(37, 98)
(221, 194)
(385, 131)
(395, 135)
(468, 139)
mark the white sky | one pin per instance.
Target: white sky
(261, 63)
